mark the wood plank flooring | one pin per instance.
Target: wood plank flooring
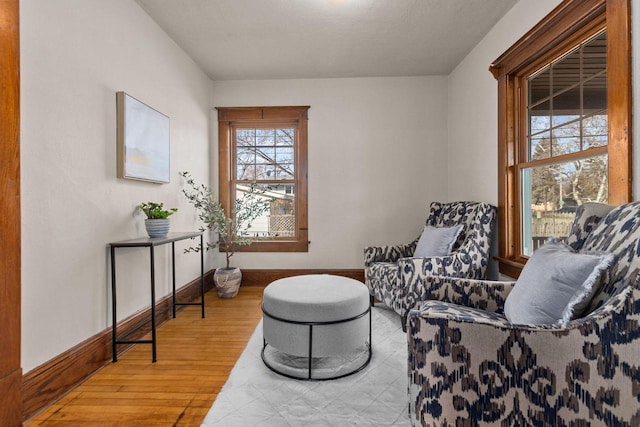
(195, 357)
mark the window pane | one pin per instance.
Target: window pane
(594, 56)
(246, 155)
(284, 171)
(539, 86)
(265, 155)
(594, 130)
(245, 160)
(566, 139)
(594, 71)
(251, 226)
(284, 154)
(265, 137)
(576, 113)
(285, 136)
(540, 146)
(282, 214)
(566, 72)
(246, 172)
(566, 106)
(539, 119)
(265, 172)
(279, 220)
(552, 193)
(595, 93)
(247, 136)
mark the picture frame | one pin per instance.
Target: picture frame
(143, 137)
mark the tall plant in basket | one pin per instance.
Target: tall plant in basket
(232, 230)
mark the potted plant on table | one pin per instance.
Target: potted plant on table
(233, 230)
(157, 222)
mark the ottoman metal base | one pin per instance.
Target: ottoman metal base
(309, 356)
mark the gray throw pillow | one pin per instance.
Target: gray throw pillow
(436, 241)
(556, 285)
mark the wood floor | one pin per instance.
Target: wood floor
(195, 357)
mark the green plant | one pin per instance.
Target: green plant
(233, 230)
(154, 210)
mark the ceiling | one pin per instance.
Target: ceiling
(284, 39)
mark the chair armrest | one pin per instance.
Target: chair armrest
(435, 279)
(456, 264)
(461, 358)
(387, 253)
(488, 295)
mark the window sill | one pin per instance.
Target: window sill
(274, 246)
(509, 267)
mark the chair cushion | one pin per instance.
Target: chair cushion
(436, 241)
(588, 216)
(556, 284)
(454, 213)
(617, 234)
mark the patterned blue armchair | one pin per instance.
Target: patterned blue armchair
(397, 279)
(468, 365)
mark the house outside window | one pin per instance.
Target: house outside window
(268, 146)
(564, 120)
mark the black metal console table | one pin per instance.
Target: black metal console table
(151, 243)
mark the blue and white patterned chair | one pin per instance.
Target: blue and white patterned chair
(468, 365)
(397, 279)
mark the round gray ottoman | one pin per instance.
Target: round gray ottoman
(319, 318)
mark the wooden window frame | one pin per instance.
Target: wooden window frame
(564, 27)
(11, 378)
(228, 118)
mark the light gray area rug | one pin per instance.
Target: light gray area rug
(376, 396)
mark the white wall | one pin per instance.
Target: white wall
(75, 55)
(473, 106)
(377, 157)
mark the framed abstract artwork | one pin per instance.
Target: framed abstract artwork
(143, 141)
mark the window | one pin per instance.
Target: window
(566, 141)
(268, 146)
(564, 105)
